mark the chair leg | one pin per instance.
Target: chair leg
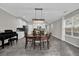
(48, 44)
(16, 40)
(34, 44)
(2, 44)
(31, 44)
(26, 44)
(43, 44)
(40, 44)
(11, 43)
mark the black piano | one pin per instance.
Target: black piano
(7, 34)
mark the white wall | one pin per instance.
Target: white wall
(21, 23)
(57, 29)
(8, 21)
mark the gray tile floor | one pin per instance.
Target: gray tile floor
(57, 48)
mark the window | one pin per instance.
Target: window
(76, 27)
(68, 27)
(72, 26)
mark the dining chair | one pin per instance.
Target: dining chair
(28, 40)
(46, 40)
(37, 40)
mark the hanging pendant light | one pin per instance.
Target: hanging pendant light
(38, 20)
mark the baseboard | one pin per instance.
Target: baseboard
(67, 42)
(56, 37)
(71, 44)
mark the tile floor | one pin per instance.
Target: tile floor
(57, 48)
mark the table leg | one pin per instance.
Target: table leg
(48, 44)
(3, 44)
(40, 44)
(26, 43)
(34, 43)
(43, 44)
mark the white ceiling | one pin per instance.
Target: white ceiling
(51, 11)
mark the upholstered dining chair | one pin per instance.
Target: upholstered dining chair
(28, 40)
(46, 40)
(37, 40)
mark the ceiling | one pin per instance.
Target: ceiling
(51, 11)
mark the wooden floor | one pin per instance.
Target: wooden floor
(57, 48)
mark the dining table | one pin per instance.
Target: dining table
(34, 38)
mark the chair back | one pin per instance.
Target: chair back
(49, 35)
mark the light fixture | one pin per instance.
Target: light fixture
(36, 20)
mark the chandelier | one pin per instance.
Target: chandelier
(38, 20)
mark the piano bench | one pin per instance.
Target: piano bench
(11, 41)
